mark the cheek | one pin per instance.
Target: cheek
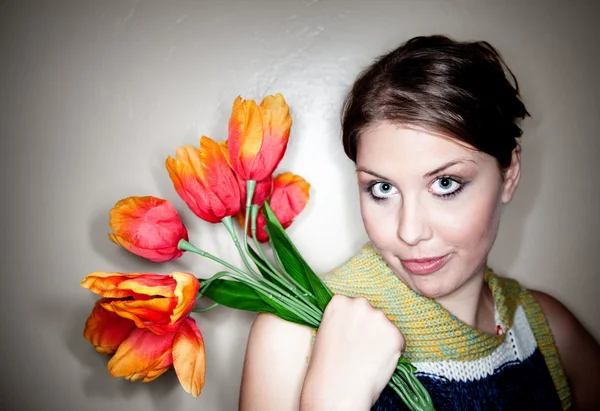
(472, 224)
(378, 221)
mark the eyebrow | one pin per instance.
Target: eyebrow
(445, 166)
(373, 173)
(426, 175)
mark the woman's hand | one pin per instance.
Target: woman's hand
(355, 354)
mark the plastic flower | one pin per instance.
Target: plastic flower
(157, 302)
(290, 195)
(262, 191)
(204, 180)
(147, 226)
(139, 354)
(263, 188)
(258, 136)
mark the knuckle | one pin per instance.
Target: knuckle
(362, 302)
(337, 300)
(337, 303)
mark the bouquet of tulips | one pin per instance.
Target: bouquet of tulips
(143, 319)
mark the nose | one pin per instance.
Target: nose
(413, 226)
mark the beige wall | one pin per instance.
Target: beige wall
(96, 94)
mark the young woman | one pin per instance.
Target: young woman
(433, 129)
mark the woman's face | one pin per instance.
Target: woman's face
(430, 205)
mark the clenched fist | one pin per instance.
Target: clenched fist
(356, 351)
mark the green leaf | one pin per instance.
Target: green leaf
(281, 311)
(279, 242)
(295, 265)
(321, 291)
(240, 296)
(235, 294)
(257, 259)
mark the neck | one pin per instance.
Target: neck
(472, 303)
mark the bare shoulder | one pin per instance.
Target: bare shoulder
(275, 364)
(579, 351)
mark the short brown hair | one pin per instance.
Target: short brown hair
(459, 89)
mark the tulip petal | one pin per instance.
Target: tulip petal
(190, 156)
(187, 185)
(106, 330)
(189, 358)
(137, 285)
(143, 355)
(220, 178)
(158, 255)
(154, 301)
(223, 145)
(277, 124)
(245, 137)
(144, 313)
(290, 195)
(186, 293)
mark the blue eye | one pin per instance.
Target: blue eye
(382, 190)
(446, 186)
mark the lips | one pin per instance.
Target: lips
(423, 266)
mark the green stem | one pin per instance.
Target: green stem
(265, 264)
(250, 188)
(409, 388)
(419, 393)
(206, 283)
(307, 315)
(187, 246)
(277, 275)
(290, 282)
(203, 310)
(283, 300)
(228, 223)
(400, 387)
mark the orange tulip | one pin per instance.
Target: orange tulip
(139, 354)
(157, 302)
(147, 226)
(262, 190)
(106, 330)
(290, 195)
(204, 180)
(258, 136)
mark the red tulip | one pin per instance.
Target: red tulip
(263, 188)
(204, 180)
(147, 226)
(154, 301)
(290, 195)
(258, 136)
(139, 354)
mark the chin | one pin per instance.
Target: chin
(428, 286)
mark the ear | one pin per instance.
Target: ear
(512, 175)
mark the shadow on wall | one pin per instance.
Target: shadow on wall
(99, 383)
